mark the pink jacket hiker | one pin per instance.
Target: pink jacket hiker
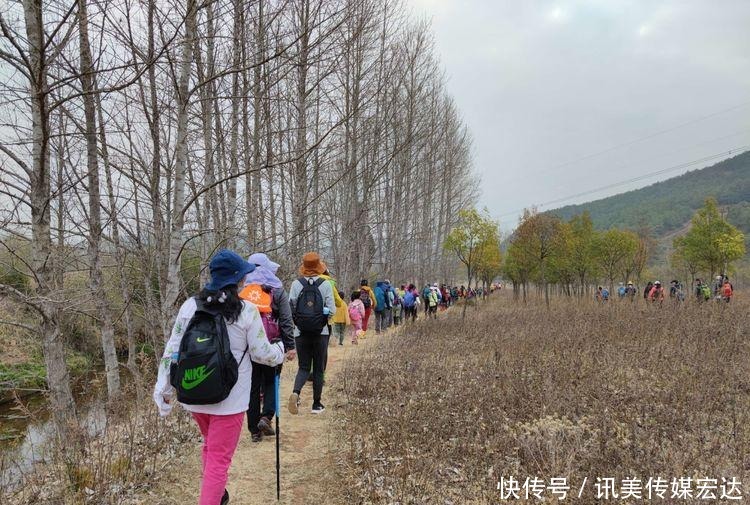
(357, 313)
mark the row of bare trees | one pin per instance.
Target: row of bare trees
(138, 135)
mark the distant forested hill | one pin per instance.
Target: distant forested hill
(668, 205)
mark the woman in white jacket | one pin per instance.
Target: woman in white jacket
(221, 423)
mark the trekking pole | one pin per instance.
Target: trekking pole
(277, 382)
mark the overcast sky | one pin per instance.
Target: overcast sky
(543, 86)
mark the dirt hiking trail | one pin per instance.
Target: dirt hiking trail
(307, 449)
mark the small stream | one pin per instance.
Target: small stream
(26, 433)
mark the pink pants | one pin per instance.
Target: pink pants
(221, 434)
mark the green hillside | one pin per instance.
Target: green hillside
(668, 205)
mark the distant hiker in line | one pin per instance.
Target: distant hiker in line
(630, 291)
(390, 294)
(356, 311)
(657, 293)
(312, 302)
(398, 305)
(702, 291)
(647, 291)
(368, 300)
(266, 291)
(382, 306)
(341, 320)
(727, 291)
(434, 300)
(214, 386)
(426, 297)
(602, 294)
(411, 300)
(621, 291)
(717, 287)
(676, 293)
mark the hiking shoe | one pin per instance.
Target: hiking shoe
(225, 498)
(294, 404)
(264, 425)
(318, 408)
(256, 437)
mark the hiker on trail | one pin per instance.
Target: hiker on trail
(398, 305)
(411, 299)
(445, 295)
(356, 311)
(312, 302)
(433, 300)
(702, 291)
(215, 320)
(717, 287)
(382, 306)
(727, 291)
(657, 293)
(265, 290)
(621, 291)
(602, 294)
(426, 297)
(368, 300)
(630, 291)
(647, 291)
(390, 294)
(341, 320)
(676, 293)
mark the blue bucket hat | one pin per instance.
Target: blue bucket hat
(227, 268)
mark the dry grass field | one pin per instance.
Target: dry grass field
(441, 411)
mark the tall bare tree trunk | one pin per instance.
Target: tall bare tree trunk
(58, 381)
(96, 283)
(181, 152)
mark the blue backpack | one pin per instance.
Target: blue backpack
(409, 299)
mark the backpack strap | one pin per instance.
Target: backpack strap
(247, 348)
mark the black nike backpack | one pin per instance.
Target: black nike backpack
(206, 370)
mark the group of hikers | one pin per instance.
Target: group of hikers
(720, 290)
(224, 355)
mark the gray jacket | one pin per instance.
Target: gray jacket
(282, 311)
(325, 290)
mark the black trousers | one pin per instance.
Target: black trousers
(263, 381)
(312, 350)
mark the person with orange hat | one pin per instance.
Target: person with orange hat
(312, 302)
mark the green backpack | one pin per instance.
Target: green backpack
(706, 292)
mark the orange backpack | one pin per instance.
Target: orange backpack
(254, 294)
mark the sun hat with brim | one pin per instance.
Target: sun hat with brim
(261, 260)
(312, 265)
(227, 268)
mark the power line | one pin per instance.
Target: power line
(636, 179)
(647, 137)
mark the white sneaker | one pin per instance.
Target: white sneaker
(318, 409)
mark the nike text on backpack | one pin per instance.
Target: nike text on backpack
(262, 298)
(206, 370)
(308, 312)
